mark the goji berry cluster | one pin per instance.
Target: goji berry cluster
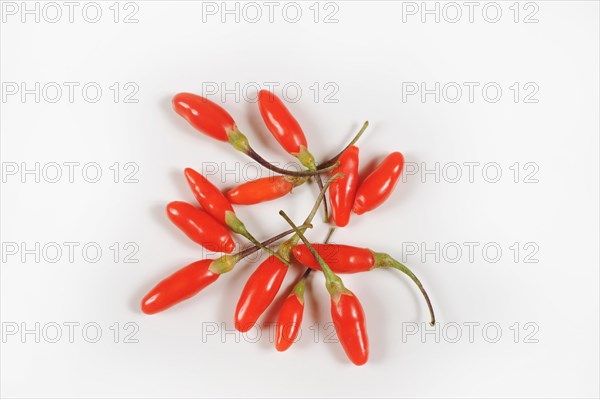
(210, 227)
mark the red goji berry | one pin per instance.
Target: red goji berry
(378, 186)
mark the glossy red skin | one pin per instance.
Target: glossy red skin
(340, 258)
(280, 122)
(200, 227)
(288, 322)
(343, 190)
(349, 320)
(179, 286)
(260, 190)
(205, 115)
(212, 200)
(378, 186)
(259, 292)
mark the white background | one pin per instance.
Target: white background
(369, 57)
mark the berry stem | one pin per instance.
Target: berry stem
(330, 162)
(329, 274)
(385, 260)
(329, 235)
(286, 247)
(254, 155)
(249, 251)
(325, 207)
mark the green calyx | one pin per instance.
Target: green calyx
(296, 180)
(238, 140)
(235, 224)
(285, 248)
(299, 289)
(382, 259)
(306, 158)
(224, 264)
(336, 287)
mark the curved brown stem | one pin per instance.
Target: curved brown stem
(303, 173)
(306, 273)
(399, 266)
(249, 251)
